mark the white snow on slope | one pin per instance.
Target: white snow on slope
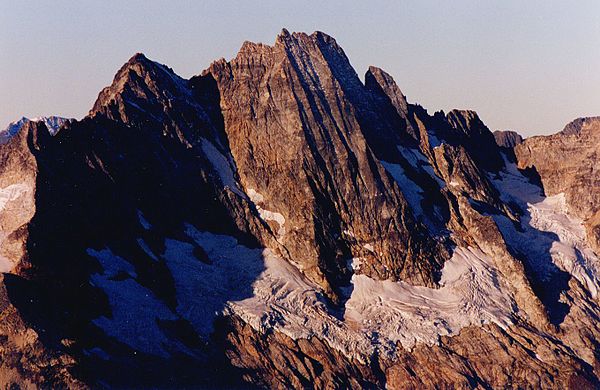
(471, 294)
(143, 221)
(221, 165)
(11, 193)
(268, 292)
(547, 228)
(379, 314)
(267, 215)
(146, 249)
(412, 192)
(417, 159)
(203, 289)
(134, 309)
(53, 123)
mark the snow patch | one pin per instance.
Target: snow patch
(143, 221)
(11, 193)
(146, 249)
(412, 192)
(267, 215)
(53, 123)
(221, 166)
(419, 161)
(135, 311)
(203, 289)
(566, 244)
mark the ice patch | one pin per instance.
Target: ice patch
(11, 193)
(221, 165)
(135, 311)
(145, 224)
(267, 215)
(567, 244)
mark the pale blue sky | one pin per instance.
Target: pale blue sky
(525, 65)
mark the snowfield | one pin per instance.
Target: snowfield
(268, 292)
(550, 236)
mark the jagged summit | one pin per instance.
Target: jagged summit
(141, 77)
(53, 124)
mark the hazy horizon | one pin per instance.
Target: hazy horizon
(529, 67)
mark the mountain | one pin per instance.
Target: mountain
(276, 222)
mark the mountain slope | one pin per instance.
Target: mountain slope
(566, 163)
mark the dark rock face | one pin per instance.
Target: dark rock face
(275, 222)
(469, 131)
(507, 138)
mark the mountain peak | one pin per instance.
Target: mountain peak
(139, 77)
(138, 57)
(377, 79)
(278, 210)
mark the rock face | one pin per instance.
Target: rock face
(507, 138)
(294, 128)
(567, 163)
(275, 222)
